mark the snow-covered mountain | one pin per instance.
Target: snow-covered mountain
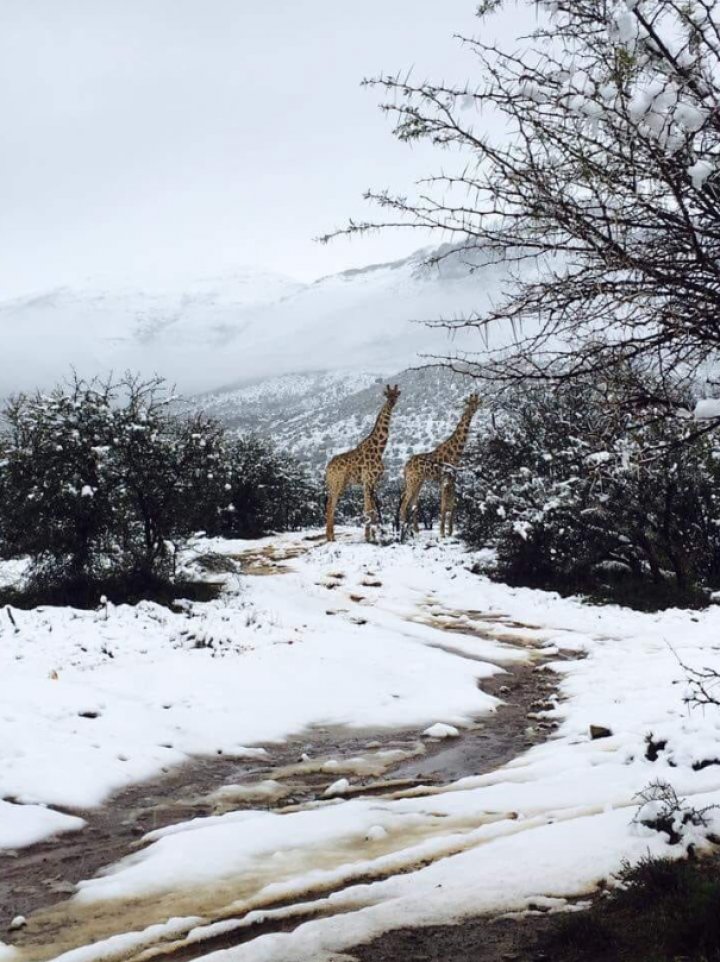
(242, 327)
(318, 414)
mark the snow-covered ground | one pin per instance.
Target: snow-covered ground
(350, 635)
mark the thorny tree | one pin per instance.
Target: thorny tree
(585, 157)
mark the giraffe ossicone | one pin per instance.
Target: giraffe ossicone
(361, 465)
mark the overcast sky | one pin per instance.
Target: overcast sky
(167, 137)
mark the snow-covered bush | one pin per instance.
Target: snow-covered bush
(96, 481)
(101, 482)
(578, 494)
(660, 809)
(263, 490)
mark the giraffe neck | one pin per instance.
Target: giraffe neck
(450, 450)
(378, 437)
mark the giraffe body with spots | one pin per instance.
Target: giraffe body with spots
(361, 465)
(439, 466)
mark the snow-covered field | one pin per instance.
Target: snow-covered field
(349, 635)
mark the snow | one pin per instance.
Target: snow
(441, 730)
(22, 825)
(340, 787)
(699, 172)
(95, 700)
(550, 825)
(707, 408)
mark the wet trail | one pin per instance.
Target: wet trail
(39, 881)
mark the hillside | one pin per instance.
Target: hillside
(315, 415)
(240, 328)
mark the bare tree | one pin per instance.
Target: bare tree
(595, 181)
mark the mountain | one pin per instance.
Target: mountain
(240, 328)
(318, 414)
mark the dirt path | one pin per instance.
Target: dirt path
(38, 882)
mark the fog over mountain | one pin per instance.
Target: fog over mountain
(207, 333)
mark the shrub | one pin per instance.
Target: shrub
(262, 491)
(663, 910)
(577, 496)
(101, 483)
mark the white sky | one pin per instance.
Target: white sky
(172, 137)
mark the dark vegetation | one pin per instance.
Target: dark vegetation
(577, 493)
(600, 194)
(103, 483)
(664, 910)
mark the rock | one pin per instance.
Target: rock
(599, 731)
(19, 922)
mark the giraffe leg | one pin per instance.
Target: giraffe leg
(378, 506)
(443, 509)
(334, 490)
(407, 505)
(447, 506)
(451, 509)
(371, 513)
(404, 505)
(414, 510)
(414, 498)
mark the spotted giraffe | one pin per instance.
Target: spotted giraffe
(362, 465)
(438, 465)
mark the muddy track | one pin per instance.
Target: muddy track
(38, 881)
(493, 742)
(298, 772)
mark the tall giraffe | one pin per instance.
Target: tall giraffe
(438, 465)
(362, 465)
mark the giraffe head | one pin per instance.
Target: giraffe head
(472, 403)
(392, 394)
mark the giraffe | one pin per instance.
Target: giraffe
(438, 465)
(361, 465)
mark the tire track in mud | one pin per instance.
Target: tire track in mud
(285, 778)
